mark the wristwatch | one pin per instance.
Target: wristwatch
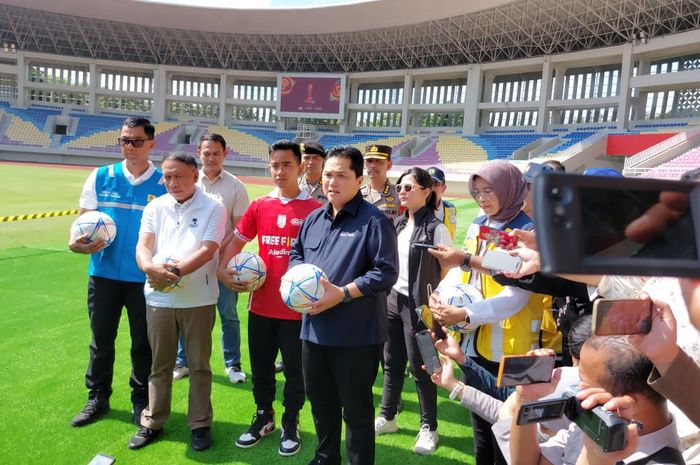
(347, 297)
(465, 262)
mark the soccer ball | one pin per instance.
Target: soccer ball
(173, 262)
(250, 267)
(301, 286)
(458, 295)
(97, 225)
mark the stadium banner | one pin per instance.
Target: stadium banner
(311, 95)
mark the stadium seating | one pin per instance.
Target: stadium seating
(674, 169)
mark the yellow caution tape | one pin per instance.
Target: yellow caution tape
(37, 216)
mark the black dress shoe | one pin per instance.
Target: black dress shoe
(94, 409)
(138, 408)
(143, 437)
(201, 438)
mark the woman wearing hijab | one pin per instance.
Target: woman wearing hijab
(510, 320)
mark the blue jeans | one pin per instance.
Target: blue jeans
(230, 329)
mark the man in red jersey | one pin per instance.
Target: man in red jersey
(275, 219)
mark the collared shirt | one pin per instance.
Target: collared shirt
(88, 198)
(387, 200)
(180, 229)
(358, 245)
(315, 191)
(230, 191)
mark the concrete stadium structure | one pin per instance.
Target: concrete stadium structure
(522, 79)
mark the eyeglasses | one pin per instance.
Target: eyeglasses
(407, 187)
(137, 143)
(482, 194)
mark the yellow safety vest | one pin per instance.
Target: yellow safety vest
(531, 328)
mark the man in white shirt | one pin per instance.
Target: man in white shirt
(178, 243)
(609, 366)
(215, 180)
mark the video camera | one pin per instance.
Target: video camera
(608, 430)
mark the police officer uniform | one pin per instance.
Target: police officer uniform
(386, 200)
(315, 191)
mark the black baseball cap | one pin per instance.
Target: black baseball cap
(437, 174)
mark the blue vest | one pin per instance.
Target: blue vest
(125, 204)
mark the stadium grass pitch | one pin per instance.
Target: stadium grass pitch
(44, 339)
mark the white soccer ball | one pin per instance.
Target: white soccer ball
(250, 267)
(458, 295)
(97, 225)
(301, 286)
(173, 262)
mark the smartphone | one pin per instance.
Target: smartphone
(420, 245)
(581, 224)
(428, 352)
(525, 369)
(102, 459)
(500, 261)
(612, 317)
(495, 236)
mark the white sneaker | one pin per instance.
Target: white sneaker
(180, 372)
(235, 374)
(384, 426)
(426, 441)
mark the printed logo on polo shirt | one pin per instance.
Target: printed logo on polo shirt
(150, 197)
(194, 223)
(281, 221)
(109, 193)
(297, 221)
(347, 234)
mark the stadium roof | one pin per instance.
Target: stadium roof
(367, 36)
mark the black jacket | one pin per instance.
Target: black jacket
(423, 268)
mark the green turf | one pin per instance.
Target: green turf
(45, 335)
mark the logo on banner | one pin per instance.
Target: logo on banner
(281, 221)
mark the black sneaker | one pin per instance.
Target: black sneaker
(290, 441)
(262, 425)
(143, 437)
(201, 438)
(93, 410)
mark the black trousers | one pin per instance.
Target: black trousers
(486, 450)
(400, 348)
(339, 386)
(105, 299)
(265, 337)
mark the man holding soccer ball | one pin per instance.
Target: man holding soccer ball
(275, 220)
(344, 331)
(121, 190)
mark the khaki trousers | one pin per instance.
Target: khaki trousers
(164, 326)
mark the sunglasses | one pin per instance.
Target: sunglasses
(407, 187)
(137, 143)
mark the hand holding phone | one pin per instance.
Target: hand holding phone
(515, 370)
(613, 317)
(501, 261)
(428, 352)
